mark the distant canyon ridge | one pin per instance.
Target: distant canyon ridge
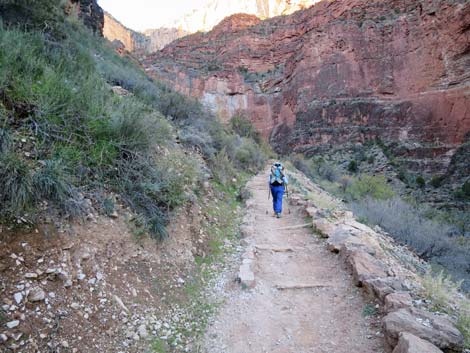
(202, 19)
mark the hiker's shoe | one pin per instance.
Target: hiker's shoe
(278, 215)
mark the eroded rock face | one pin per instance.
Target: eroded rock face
(91, 14)
(339, 72)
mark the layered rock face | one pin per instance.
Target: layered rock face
(339, 72)
(201, 19)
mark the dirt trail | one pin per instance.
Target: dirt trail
(324, 317)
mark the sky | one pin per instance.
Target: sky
(145, 14)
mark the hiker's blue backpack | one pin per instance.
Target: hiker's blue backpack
(277, 174)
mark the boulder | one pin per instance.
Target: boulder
(246, 276)
(342, 238)
(409, 343)
(380, 288)
(36, 294)
(365, 267)
(311, 211)
(246, 230)
(430, 327)
(324, 227)
(397, 300)
(294, 200)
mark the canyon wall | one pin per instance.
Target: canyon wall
(131, 40)
(198, 20)
(339, 72)
(212, 12)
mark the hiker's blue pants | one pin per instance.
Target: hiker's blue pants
(277, 192)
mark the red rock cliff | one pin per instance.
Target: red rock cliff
(341, 71)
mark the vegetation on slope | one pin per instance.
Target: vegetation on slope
(67, 138)
(432, 234)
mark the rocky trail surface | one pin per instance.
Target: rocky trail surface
(295, 296)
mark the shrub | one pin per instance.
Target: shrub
(17, 192)
(436, 181)
(5, 141)
(352, 166)
(430, 239)
(371, 160)
(440, 289)
(420, 182)
(345, 182)
(402, 175)
(444, 295)
(52, 183)
(242, 126)
(466, 189)
(222, 167)
(328, 171)
(374, 187)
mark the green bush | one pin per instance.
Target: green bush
(242, 126)
(17, 192)
(364, 186)
(466, 189)
(352, 166)
(420, 182)
(436, 181)
(222, 167)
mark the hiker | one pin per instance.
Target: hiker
(277, 185)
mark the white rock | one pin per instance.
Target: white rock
(18, 297)
(64, 344)
(75, 306)
(31, 275)
(36, 294)
(13, 324)
(3, 338)
(142, 331)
